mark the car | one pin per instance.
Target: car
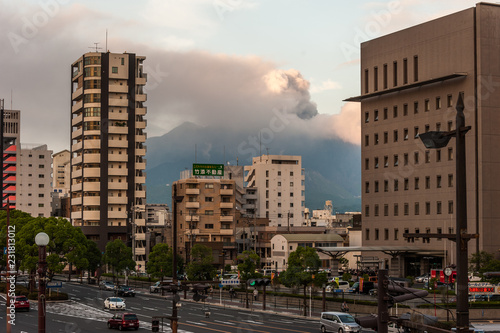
(367, 286)
(125, 291)
(422, 278)
(373, 292)
(338, 322)
(22, 303)
(155, 288)
(342, 285)
(114, 303)
(124, 321)
(106, 285)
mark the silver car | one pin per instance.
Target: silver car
(338, 322)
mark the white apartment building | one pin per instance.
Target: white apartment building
(108, 192)
(280, 184)
(61, 168)
(34, 180)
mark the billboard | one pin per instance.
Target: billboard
(208, 170)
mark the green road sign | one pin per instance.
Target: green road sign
(208, 170)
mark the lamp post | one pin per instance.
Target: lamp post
(42, 240)
(440, 140)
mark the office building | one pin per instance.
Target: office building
(108, 193)
(280, 188)
(410, 84)
(34, 180)
(11, 141)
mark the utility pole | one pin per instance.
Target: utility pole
(175, 200)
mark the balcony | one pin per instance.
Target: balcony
(140, 152)
(226, 218)
(76, 201)
(140, 81)
(76, 215)
(93, 144)
(118, 102)
(91, 172)
(140, 124)
(117, 200)
(77, 106)
(140, 166)
(76, 133)
(117, 186)
(118, 129)
(140, 138)
(118, 172)
(91, 215)
(140, 236)
(140, 222)
(92, 186)
(227, 232)
(118, 143)
(192, 218)
(113, 214)
(92, 158)
(118, 116)
(226, 205)
(140, 111)
(192, 191)
(116, 158)
(249, 206)
(91, 201)
(140, 194)
(76, 120)
(140, 180)
(76, 187)
(193, 204)
(140, 97)
(226, 192)
(77, 146)
(140, 251)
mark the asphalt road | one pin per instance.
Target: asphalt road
(85, 313)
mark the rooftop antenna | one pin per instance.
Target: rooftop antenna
(267, 149)
(96, 47)
(260, 145)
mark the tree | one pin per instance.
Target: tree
(303, 265)
(94, 257)
(118, 256)
(249, 261)
(479, 260)
(201, 267)
(159, 263)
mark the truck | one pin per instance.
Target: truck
(441, 277)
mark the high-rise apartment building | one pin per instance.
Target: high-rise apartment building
(280, 184)
(61, 169)
(208, 213)
(108, 193)
(410, 83)
(34, 180)
(11, 141)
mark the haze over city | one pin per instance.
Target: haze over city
(237, 62)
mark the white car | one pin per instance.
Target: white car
(114, 303)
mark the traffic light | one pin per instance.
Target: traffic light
(259, 282)
(155, 325)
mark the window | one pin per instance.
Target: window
(438, 155)
(427, 156)
(405, 71)
(114, 70)
(438, 181)
(367, 210)
(386, 161)
(405, 109)
(41, 156)
(209, 185)
(417, 183)
(415, 158)
(267, 173)
(209, 199)
(450, 207)
(415, 68)
(40, 195)
(395, 136)
(405, 134)
(279, 183)
(450, 126)
(427, 208)
(267, 183)
(41, 205)
(416, 132)
(375, 139)
(450, 154)
(376, 162)
(291, 184)
(375, 78)
(279, 194)
(376, 234)
(367, 164)
(395, 73)
(406, 184)
(291, 194)
(386, 210)
(405, 159)
(41, 175)
(279, 173)
(438, 103)
(366, 81)
(367, 117)
(386, 234)
(376, 186)
(396, 185)
(375, 115)
(385, 113)
(209, 212)
(449, 101)
(386, 137)
(367, 234)
(209, 226)
(450, 180)
(415, 107)
(367, 187)
(385, 76)
(396, 234)
(427, 182)
(386, 186)
(376, 210)
(406, 208)
(39, 185)
(123, 61)
(396, 160)
(427, 105)
(395, 111)
(396, 209)
(291, 173)
(417, 208)
(438, 207)
(426, 128)
(367, 140)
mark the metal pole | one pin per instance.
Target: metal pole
(8, 268)
(173, 324)
(461, 216)
(41, 288)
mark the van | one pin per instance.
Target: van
(342, 285)
(338, 322)
(367, 286)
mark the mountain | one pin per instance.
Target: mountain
(332, 167)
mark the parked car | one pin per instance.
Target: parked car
(124, 321)
(373, 292)
(125, 291)
(338, 322)
(422, 278)
(114, 303)
(343, 285)
(106, 285)
(21, 303)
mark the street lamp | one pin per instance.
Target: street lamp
(42, 240)
(435, 140)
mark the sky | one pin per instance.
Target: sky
(223, 63)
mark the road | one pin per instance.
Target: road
(84, 313)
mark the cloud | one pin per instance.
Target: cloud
(324, 86)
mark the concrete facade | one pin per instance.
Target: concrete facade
(34, 168)
(280, 184)
(11, 145)
(108, 193)
(410, 83)
(61, 169)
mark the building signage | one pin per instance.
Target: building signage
(208, 170)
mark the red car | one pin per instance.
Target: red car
(124, 321)
(22, 303)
